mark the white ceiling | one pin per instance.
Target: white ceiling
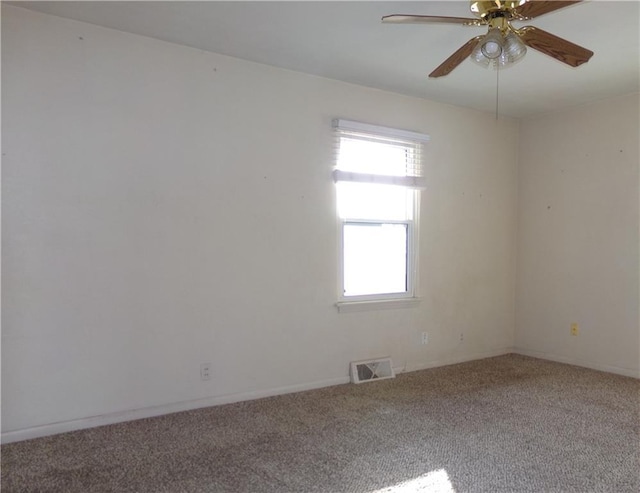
(346, 41)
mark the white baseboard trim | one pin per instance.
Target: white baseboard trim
(627, 372)
(150, 412)
(455, 359)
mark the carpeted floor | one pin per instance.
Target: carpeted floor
(506, 424)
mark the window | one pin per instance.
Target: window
(378, 176)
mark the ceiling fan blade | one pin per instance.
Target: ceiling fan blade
(555, 47)
(536, 8)
(456, 59)
(429, 19)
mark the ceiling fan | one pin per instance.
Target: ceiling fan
(503, 45)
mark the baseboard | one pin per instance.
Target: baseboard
(627, 372)
(150, 412)
(455, 359)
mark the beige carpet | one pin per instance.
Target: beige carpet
(506, 424)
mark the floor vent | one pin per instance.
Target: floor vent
(370, 370)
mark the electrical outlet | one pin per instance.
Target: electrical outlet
(205, 371)
(425, 338)
(461, 336)
(574, 329)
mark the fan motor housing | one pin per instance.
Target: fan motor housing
(487, 9)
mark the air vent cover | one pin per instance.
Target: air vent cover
(370, 370)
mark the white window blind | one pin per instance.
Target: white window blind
(368, 153)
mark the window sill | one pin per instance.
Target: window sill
(363, 306)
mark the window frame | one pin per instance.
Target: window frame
(414, 184)
(410, 262)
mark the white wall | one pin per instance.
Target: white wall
(164, 207)
(578, 247)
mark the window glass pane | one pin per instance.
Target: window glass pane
(375, 258)
(370, 201)
(378, 158)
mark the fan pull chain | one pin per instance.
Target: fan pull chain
(497, 86)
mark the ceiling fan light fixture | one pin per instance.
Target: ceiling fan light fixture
(478, 57)
(513, 50)
(492, 44)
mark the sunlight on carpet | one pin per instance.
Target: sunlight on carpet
(433, 482)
